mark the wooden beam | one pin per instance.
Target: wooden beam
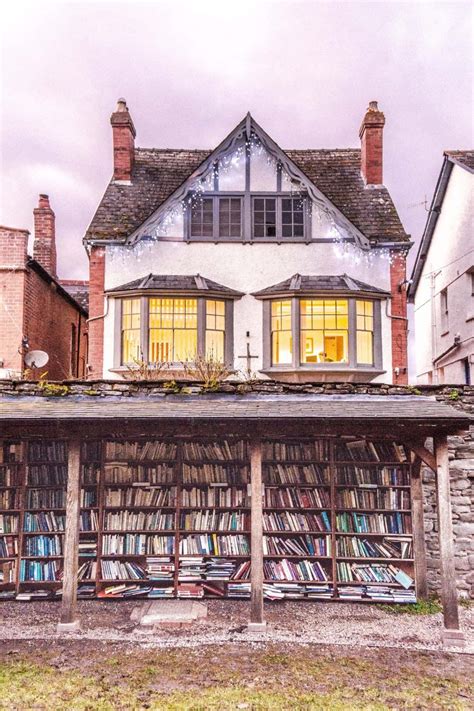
(424, 454)
(418, 523)
(256, 536)
(69, 620)
(445, 533)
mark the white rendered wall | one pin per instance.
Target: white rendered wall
(247, 268)
(451, 254)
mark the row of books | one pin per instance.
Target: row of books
(140, 496)
(52, 499)
(138, 450)
(373, 523)
(9, 499)
(365, 450)
(7, 572)
(43, 546)
(87, 570)
(9, 475)
(376, 499)
(192, 568)
(304, 451)
(371, 476)
(297, 498)
(90, 474)
(47, 475)
(10, 452)
(297, 545)
(137, 544)
(40, 570)
(8, 523)
(294, 570)
(292, 521)
(223, 450)
(206, 520)
(139, 521)
(229, 496)
(124, 473)
(363, 548)
(214, 473)
(47, 450)
(212, 544)
(275, 474)
(8, 546)
(91, 451)
(374, 573)
(51, 521)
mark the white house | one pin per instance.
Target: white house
(442, 286)
(284, 263)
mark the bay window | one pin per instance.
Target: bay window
(322, 333)
(173, 329)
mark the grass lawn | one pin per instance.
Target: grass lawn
(99, 676)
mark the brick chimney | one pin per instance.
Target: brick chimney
(371, 139)
(44, 245)
(124, 134)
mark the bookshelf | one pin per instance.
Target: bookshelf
(172, 518)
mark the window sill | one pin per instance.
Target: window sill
(323, 373)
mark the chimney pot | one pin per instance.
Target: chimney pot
(371, 138)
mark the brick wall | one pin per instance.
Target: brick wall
(96, 308)
(49, 322)
(399, 323)
(13, 256)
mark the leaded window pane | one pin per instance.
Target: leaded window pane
(130, 336)
(202, 218)
(215, 329)
(324, 330)
(281, 335)
(365, 332)
(172, 330)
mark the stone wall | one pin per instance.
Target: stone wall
(461, 448)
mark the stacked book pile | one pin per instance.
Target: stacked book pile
(88, 548)
(159, 568)
(191, 569)
(161, 592)
(324, 592)
(220, 568)
(85, 591)
(278, 591)
(190, 590)
(238, 590)
(351, 593)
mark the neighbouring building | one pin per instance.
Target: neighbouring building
(287, 264)
(442, 287)
(37, 310)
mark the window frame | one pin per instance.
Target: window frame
(351, 364)
(216, 237)
(201, 324)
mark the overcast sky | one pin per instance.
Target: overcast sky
(190, 71)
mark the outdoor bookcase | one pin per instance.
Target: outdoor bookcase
(85, 424)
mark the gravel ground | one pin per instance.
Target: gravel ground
(288, 622)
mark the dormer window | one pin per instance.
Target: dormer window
(216, 218)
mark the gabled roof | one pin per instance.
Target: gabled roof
(61, 290)
(176, 283)
(300, 284)
(333, 178)
(464, 159)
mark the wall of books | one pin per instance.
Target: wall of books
(171, 518)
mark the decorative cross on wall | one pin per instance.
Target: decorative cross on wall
(248, 357)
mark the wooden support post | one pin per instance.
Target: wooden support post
(449, 596)
(418, 522)
(69, 621)
(256, 541)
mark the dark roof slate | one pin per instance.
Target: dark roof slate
(79, 290)
(463, 158)
(158, 173)
(302, 284)
(419, 410)
(176, 282)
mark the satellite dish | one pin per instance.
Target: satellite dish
(36, 359)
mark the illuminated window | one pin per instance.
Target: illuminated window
(172, 330)
(281, 338)
(215, 330)
(130, 336)
(365, 332)
(324, 331)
